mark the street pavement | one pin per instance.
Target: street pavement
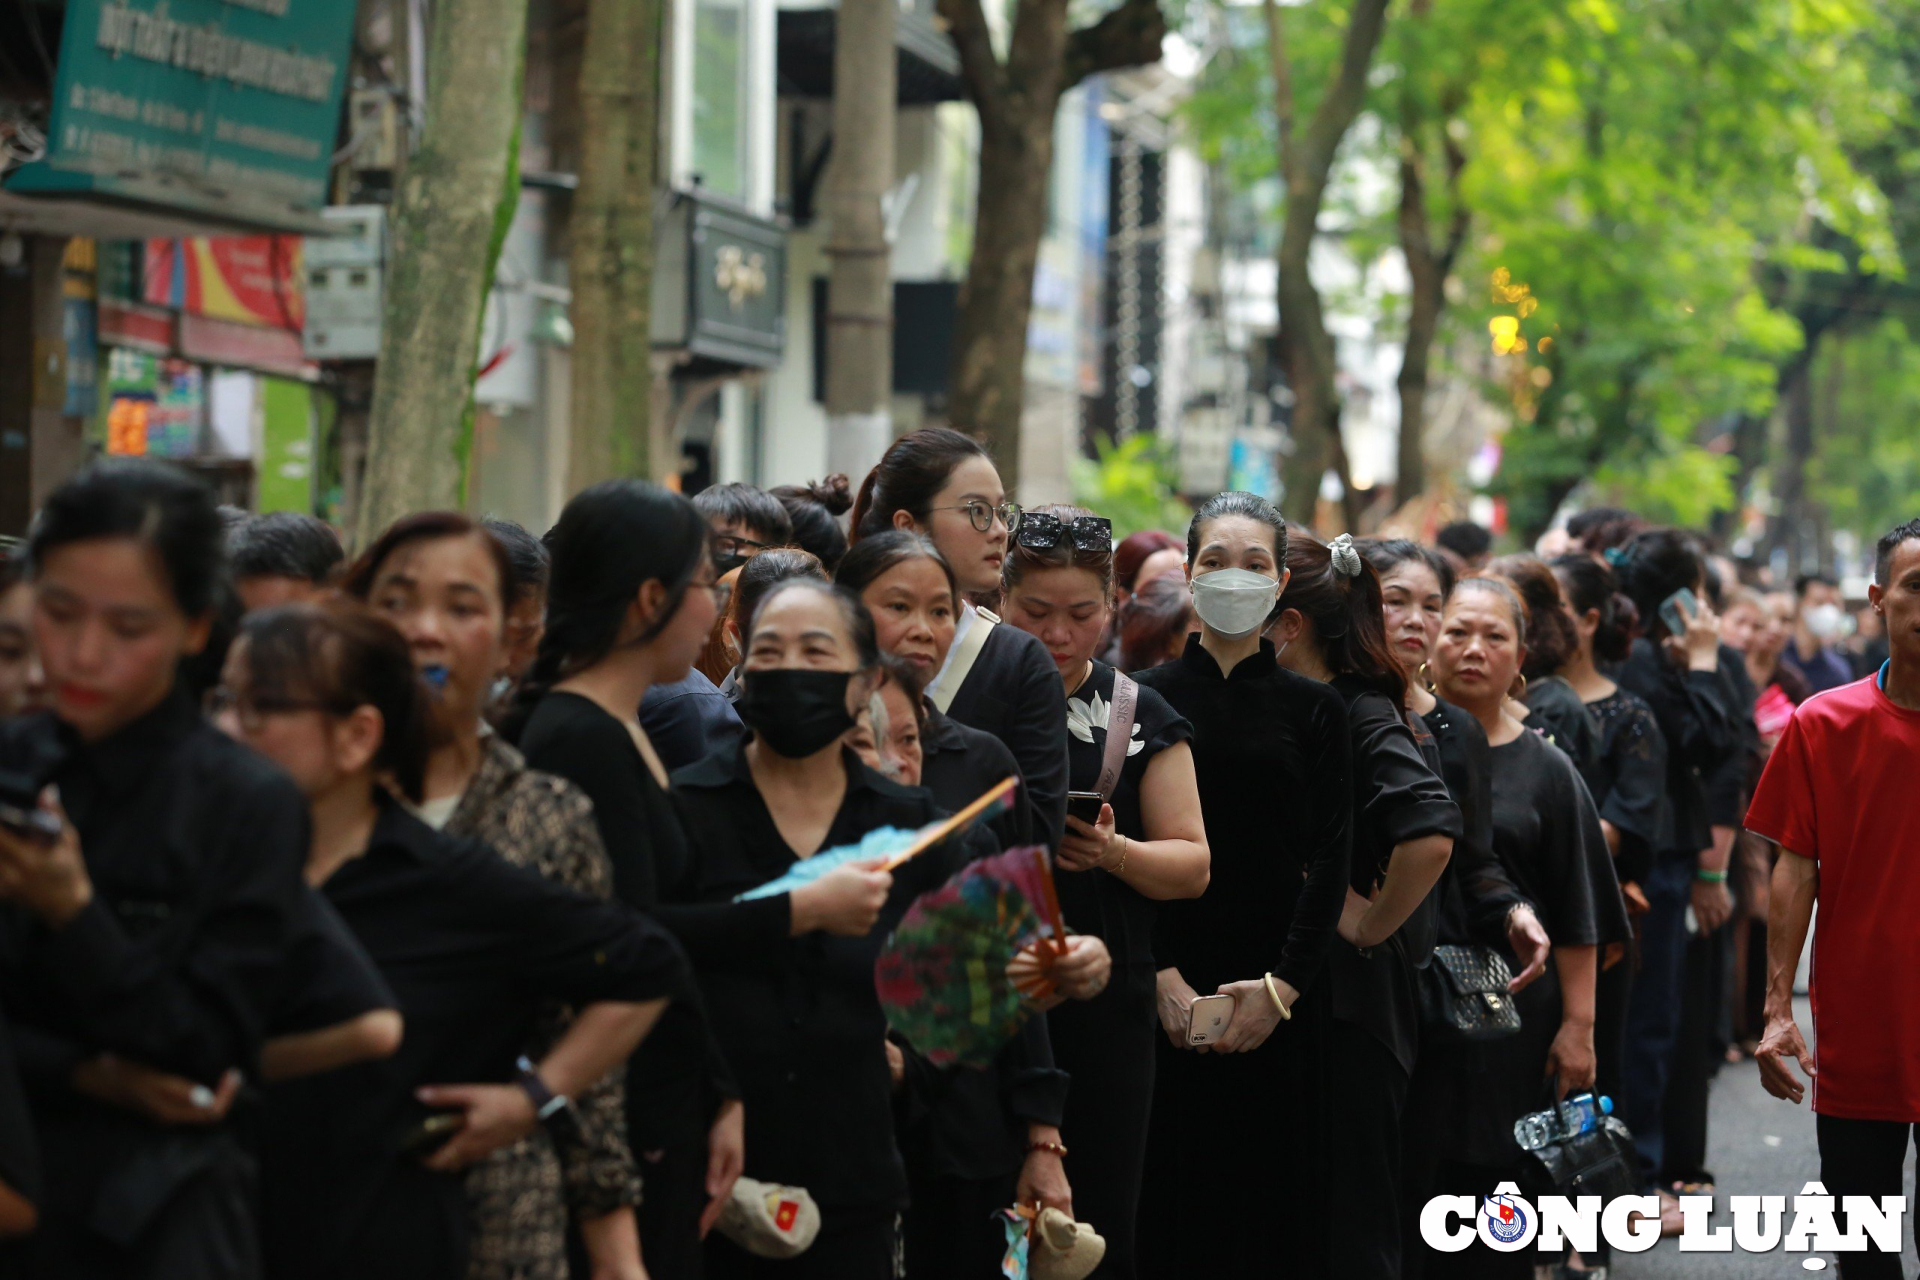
(1757, 1145)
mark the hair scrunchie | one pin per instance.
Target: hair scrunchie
(1346, 558)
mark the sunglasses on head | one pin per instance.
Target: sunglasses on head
(1043, 532)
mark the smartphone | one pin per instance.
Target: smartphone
(1671, 611)
(1207, 1018)
(432, 1133)
(1084, 805)
(34, 824)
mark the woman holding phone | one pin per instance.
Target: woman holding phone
(364, 1168)
(1272, 758)
(941, 484)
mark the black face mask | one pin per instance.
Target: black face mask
(794, 711)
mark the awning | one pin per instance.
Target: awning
(929, 68)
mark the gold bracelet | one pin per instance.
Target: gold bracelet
(1286, 1015)
(1122, 866)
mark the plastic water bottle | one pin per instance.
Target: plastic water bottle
(1571, 1118)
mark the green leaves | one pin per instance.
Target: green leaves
(1130, 485)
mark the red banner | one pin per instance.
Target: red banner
(256, 280)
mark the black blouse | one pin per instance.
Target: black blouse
(1097, 902)
(1476, 894)
(1013, 692)
(1630, 782)
(1398, 796)
(1273, 756)
(1699, 728)
(19, 1148)
(1556, 710)
(194, 845)
(798, 1017)
(473, 947)
(959, 764)
(1547, 833)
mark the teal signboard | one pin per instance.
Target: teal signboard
(223, 107)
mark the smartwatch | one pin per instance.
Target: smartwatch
(554, 1110)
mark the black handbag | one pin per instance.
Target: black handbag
(1464, 996)
(1600, 1162)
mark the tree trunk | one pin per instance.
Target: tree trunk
(613, 430)
(1305, 347)
(455, 199)
(1428, 266)
(860, 279)
(1017, 102)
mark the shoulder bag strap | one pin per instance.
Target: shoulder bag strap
(964, 655)
(1126, 697)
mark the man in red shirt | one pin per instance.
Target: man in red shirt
(1838, 798)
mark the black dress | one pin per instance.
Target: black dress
(1556, 710)
(1106, 1045)
(474, 948)
(194, 845)
(800, 1021)
(1013, 692)
(1398, 796)
(1629, 783)
(1547, 834)
(678, 1078)
(1272, 753)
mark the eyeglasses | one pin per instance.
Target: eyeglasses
(251, 712)
(719, 590)
(1042, 532)
(732, 544)
(980, 515)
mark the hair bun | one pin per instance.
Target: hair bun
(1346, 557)
(835, 493)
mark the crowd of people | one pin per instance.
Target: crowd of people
(391, 917)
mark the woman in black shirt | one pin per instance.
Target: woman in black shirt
(1547, 835)
(1331, 629)
(355, 1179)
(630, 602)
(802, 1026)
(996, 678)
(1145, 844)
(1547, 702)
(1271, 753)
(154, 926)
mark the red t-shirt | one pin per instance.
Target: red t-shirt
(1840, 788)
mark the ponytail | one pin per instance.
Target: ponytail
(908, 476)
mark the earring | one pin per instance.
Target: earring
(1426, 678)
(1522, 695)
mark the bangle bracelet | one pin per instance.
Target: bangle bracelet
(1710, 877)
(1056, 1148)
(1286, 1014)
(1122, 865)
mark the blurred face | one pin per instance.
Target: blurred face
(526, 624)
(1478, 653)
(1775, 627)
(976, 556)
(913, 613)
(317, 749)
(886, 736)
(685, 636)
(271, 590)
(1167, 560)
(805, 630)
(23, 686)
(1738, 625)
(443, 594)
(109, 633)
(735, 543)
(1412, 605)
(1066, 609)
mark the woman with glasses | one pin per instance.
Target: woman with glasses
(1141, 843)
(448, 585)
(941, 484)
(630, 601)
(152, 919)
(1271, 755)
(364, 1169)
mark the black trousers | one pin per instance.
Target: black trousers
(1367, 1092)
(669, 1213)
(950, 1232)
(1684, 1119)
(1864, 1158)
(853, 1244)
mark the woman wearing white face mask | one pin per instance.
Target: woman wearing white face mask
(1271, 751)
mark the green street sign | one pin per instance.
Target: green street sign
(227, 108)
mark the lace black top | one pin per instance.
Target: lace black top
(1629, 782)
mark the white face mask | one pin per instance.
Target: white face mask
(1825, 621)
(1234, 602)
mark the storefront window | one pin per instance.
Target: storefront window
(719, 96)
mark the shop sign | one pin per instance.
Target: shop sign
(154, 405)
(222, 107)
(736, 300)
(255, 280)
